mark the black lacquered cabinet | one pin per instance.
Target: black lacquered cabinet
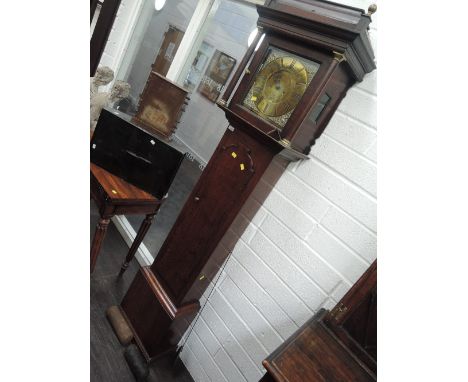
(134, 154)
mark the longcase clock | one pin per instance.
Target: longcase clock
(279, 102)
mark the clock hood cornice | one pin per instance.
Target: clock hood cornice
(326, 33)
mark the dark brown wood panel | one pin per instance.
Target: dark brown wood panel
(161, 105)
(322, 32)
(118, 189)
(101, 32)
(232, 173)
(335, 87)
(336, 346)
(314, 353)
(362, 324)
(157, 331)
(354, 319)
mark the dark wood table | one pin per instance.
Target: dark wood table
(114, 196)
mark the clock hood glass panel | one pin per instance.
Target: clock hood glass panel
(279, 85)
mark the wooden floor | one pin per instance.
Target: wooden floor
(107, 360)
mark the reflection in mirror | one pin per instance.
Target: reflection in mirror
(155, 40)
(189, 172)
(214, 58)
(159, 4)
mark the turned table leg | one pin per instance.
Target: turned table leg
(99, 234)
(136, 243)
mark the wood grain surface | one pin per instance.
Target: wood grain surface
(117, 188)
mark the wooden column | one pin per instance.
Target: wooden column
(145, 225)
(99, 235)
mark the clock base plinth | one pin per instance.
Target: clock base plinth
(156, 322)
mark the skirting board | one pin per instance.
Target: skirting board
(128, 233)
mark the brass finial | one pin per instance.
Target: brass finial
(372, 9)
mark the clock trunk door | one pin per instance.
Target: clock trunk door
(234, 169)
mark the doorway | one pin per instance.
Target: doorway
(168, 50)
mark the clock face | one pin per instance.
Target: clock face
(279, 85)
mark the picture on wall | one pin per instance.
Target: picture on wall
(216, 75)
(198, 67)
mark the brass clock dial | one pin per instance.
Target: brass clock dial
(279, 85)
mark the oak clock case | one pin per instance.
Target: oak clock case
(283, 97)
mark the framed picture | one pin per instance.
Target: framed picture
(216, 75)
(198, 67)
(161, 104)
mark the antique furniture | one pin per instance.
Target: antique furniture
(131, 172)
(134, 154)
(161, 105)
(340, 345)
(114, 196)
(286, 92)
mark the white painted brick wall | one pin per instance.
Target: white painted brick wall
(308, 243)
(312, 238)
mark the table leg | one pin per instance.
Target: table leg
(99, 234)
(136, 243)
